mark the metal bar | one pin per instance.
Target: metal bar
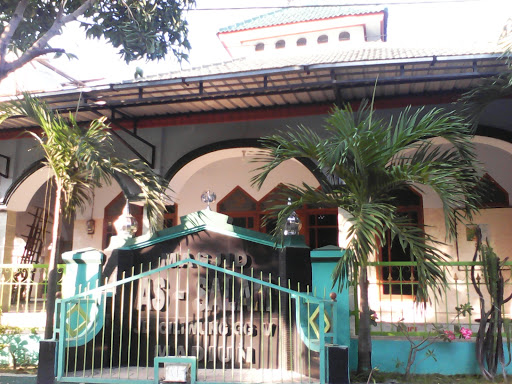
(77, 304)
(224, 338)
(148, 320)
(214, 287)
(309, 336)
(130, 325)
(186, 311)
(281, 338)
(95, 322)
(233, 304)
(262, 354)
(241, 301)
(112, 327)
(290, 328)
(62, 338)
(297, 333)
(167, 305)
(322, 341)
(129, 146)
(270, 324)
(121, 329)
(206, 325)
(103, 329)
(88, 302)
(139, 320)
(252, 312)
(198, 317)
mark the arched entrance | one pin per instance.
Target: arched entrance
(228, 171)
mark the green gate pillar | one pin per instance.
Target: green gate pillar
(83, 270)
(323, 261)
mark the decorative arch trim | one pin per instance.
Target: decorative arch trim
(230, 144)
(35, 166)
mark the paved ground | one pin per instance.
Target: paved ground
(17, 379)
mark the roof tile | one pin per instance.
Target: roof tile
(299, 14)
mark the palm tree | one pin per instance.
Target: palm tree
(366, 161)
(81, 159)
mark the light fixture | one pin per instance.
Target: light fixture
(208, 197)
(91, 225)
(293, 224)
(126, 224)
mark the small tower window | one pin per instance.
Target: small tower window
(301, 42)
(280, 44)
(322, 39)
(344, 36)
(259, 47)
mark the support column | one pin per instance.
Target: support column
(7, 234)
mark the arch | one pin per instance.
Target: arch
(20, 192)
(280, 44)
(259, 47)
(228, 144)
(206, 168)
(399, 280)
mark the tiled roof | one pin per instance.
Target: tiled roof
(368, 52)
(299, 14)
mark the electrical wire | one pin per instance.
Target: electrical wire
(411, 2)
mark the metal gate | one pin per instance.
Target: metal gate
(218, 324)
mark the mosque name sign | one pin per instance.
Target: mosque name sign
(223, 311)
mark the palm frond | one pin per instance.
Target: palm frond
(372, 159)
(494, 88)
(82, 158)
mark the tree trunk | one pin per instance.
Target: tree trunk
(364, 350)
(51, 290)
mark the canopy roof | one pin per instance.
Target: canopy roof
(318, 77)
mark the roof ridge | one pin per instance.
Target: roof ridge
(234, 26)
(298, 14)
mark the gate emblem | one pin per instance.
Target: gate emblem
(80, 318)
(313, 321)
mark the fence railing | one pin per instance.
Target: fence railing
(23, 287)
(392, 297)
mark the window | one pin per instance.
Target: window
(259, 47)
(344, 36)
(280, 44)
(401, 280)
(319, 225)
(112, 212)
(495, 196)
(301, 42)
(322, 39)
(323, 227)
(239, 205)
(171, 215)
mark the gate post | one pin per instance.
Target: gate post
(83, 269)
(323, 261)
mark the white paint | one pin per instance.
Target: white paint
(222, 171)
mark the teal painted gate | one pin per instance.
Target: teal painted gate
(226, 326)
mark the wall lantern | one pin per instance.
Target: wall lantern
(90, 225)
(208, 197)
